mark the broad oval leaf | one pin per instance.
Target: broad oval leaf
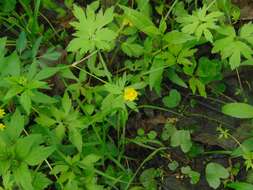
(238, 110)
(240, 186)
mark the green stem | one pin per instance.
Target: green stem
(142, 164)
(171, 8)
(218, 152)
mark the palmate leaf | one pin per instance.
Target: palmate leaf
(91, 31)
(23, 176)
(238, 46)
(246, 33)
(200, 23)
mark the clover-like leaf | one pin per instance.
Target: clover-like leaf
(173, 99)
(214, 173)
(181, 138)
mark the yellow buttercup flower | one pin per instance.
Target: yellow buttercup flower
(130, 94)
(2, 113)
(2, 127)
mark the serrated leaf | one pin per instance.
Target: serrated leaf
(23, 176)
(42, 98)
(155, 76)
(200, 23)
(246, 32)
(21, 42)
(237, 46)
(132, 49)
(26, 102)
(96, 35)
(141, 21)
(173, 76)
(46, 73)
(40, 181)
(38, 155)
(66, 103)
(16, 126)
(176, 37)
(196, 84)
(11, 65)
(246, 145)
(76, 138)
(24, 145)
(90, 160)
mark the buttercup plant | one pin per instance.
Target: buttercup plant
(125, 95)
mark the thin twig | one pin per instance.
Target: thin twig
(85, 58)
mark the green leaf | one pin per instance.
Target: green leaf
(46, 73)
(173, 76)
(45, 120)
(15, 90)
(66, 103)
(155, 76)
(23, 177)
(141, 21)
(21, 42)
(181, 138)
(200, 23)
(237, 45)
(195, 84)
(195, 176)
(132, 49)
(7, 6)
(25, 145)
(91, 30)
(208, 69)
(90, 160)
(215, 172)
(38, 155)
(168, 131)
(40, 181)
(240, 186)
(42, 98)
(173, 165)
(173, 99)
(238, 110)
(76, 138)
(35, 47)
(246, 32)
(247, 145)
(147, 179)
(26, 102)
(16, 125)
(11, 65)
(51, 54)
